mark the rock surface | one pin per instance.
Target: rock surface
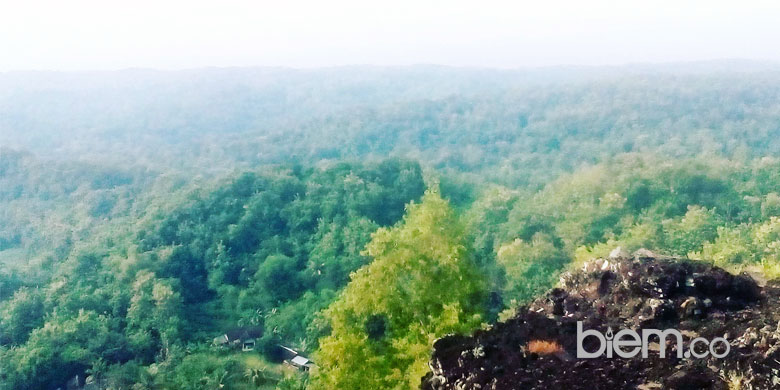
(643, 291)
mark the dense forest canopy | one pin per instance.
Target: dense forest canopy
(353, 214)
(487, 121)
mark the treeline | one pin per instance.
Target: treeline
(518, 128)
(676, 207)
(331, 261)
(267, 248)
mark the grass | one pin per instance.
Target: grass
(770, 269)
(273, 372)
(256, 373)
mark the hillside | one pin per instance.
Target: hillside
(48, 206)
(356, 215)
(520, 127)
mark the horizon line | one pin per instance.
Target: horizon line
(562, 66)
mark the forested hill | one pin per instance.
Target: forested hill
(504, 123)
(354, 214)
(270, 248)
(46, 206)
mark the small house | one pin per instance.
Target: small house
(294, 359)
(301, 363)
(245, 338)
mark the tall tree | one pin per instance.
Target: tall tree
(421, 285)
(153, 316)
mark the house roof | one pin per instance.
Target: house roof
(288, 353)
(244, 333)
(300, 360)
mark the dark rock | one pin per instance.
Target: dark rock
(604, 283)
(623, 292)
(693, 379)
(558, 297)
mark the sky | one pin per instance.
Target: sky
(109, 34)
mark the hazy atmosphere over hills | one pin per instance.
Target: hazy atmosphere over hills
(404, 195)
(222, 118)
(349, 217)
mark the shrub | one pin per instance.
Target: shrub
(542, 347)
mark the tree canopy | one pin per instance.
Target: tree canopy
(422, 283)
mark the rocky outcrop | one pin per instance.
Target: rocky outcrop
(639, 291)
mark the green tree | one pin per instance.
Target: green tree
(699, 225)
(422, 284)
(531, 267)
(64, 346)
(20, 315)
(153, 317)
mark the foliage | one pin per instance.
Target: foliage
(153, 316)
(161, 209)
(530, 267)
(421, 284)
(268, 248)
(61, 348)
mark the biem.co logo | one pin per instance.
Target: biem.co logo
(628, 343)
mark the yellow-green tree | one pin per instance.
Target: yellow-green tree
(421, 285)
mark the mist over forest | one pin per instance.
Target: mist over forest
(352, 214)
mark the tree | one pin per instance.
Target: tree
(531, 267)
(153, 317)
(64, 346)
(278, 278)
(421, 285)
(699, 225)
(20, 315)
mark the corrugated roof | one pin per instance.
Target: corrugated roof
(300, 360)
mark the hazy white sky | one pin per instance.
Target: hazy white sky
(107, 34)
